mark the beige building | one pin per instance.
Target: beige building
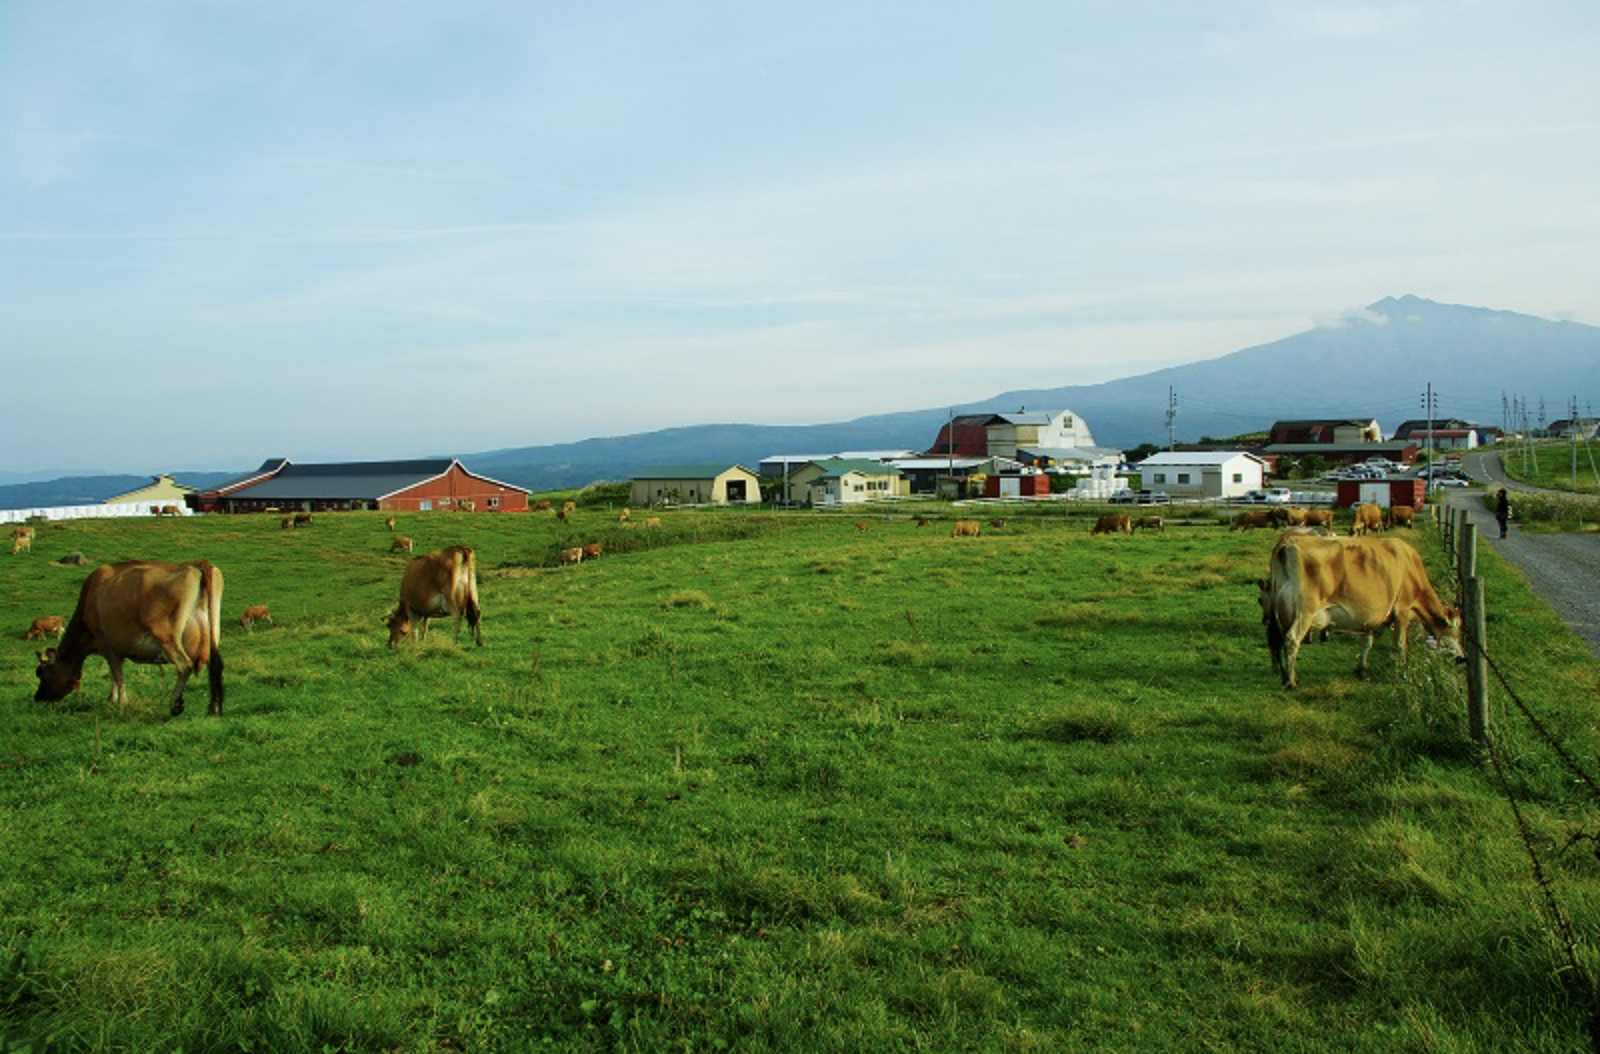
(847, 481)
(163, 489)
(695, 485)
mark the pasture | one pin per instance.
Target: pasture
(760, 782)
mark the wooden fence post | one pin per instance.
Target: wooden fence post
(1468, 550)
(1473, 628)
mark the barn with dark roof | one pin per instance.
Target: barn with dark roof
(424, 485)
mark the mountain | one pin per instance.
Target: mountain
(1373, 364)
(1376, 364)
(92, 490)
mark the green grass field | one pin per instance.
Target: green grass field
(774, 783)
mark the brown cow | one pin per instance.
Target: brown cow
(1319, 518)
(966, 529)
(1249, 521)
(1150, 523)
(287, 523)
(389, 523)
(438, 585)
(625, 515)
(1354, 585)
(171, 510)
(1400, 516)
(400, 544)
(1369, 517)
(573, 555)
(592, 551)
(652, 521)
(1287, 516)
(542, 505)
(253, 614)
(142, 611)
(302, 519)
(1113, 523)
(49, 624)
(21, 540)
(863, 525)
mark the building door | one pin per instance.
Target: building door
(736, 489)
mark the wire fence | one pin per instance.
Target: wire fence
(1484, 673)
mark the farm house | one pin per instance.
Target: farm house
(695, 485)
(427, 485)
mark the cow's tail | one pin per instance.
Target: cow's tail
(470, 609)
(211, 596)
(1285, 574)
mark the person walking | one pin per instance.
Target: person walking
(1502, 510)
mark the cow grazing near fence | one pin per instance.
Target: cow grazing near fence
(1401, 516)
(142, 611)
(439, 585)
(1113, 523)
(1249, 521)
(1354, 585)
(1368, 518)
(966, 529)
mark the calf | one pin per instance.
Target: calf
(438, 585)
(253, 614)
(49, 624)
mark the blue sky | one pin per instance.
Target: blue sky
(328, 230)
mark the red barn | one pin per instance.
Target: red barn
(1385, 492)
(428, 485)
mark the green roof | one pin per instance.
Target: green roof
(686, 471)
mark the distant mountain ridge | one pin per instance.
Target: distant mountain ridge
(1374, 364)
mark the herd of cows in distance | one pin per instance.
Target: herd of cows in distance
(148, 611)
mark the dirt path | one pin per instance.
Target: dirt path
(1563, 569)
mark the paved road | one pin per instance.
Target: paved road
(1563, 569)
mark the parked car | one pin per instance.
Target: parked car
(1269, 496)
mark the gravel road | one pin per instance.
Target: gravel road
(1563, 569)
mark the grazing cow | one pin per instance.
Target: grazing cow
(863, 525)
(1401, 516)
(1354, 585)
(592, 551)
(389, 523)
(400, 544)
(923, 521)
(142, 611)
(1150, 523)
(1113, 523)
(569, 506)
(171, 510)
(439, 585)
(1369, 517)
(302, 519)
(287, 523)
(966, 529)
(1287, 516)
(21, 543)
(652, 521)
(253, 614)
(1249, 521)
(49, 624)
(1320, 518)
(573, 555)
(625, 515)
(542, 505)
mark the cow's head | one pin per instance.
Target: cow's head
(399, 623)
(56, 681)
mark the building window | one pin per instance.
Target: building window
(1161, 477)
(493, 503)
(1183, 477)
(1238, 477)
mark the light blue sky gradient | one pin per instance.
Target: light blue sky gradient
(234, 230)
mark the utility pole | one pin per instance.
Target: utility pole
(1572, 425)
(1429, 402)
(1172, 417)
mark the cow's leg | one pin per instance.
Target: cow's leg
(177, 692)
(1366, 651)
(118, 693)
